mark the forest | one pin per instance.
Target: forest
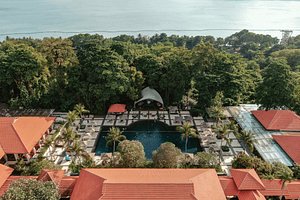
(186, 70)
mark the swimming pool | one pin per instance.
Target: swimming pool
(151, 134)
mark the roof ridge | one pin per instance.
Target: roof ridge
(15, 131)
(273, 119)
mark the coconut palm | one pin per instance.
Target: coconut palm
(77, 150)
(248, 138)
(114, 136)
(186, 131)
(71, 117)
(223, 133)
(67, 136)
(80, 109)
(50, 145)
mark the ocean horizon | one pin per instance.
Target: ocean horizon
(219, 18)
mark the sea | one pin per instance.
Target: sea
(219, 18)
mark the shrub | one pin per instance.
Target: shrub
(25, 189)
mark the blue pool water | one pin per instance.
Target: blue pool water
(151, 134)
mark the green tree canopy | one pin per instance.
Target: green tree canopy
(35, 167)
(167, 156)
(132, 154)
(206, 160)
(282, 171)
(277, 88)
(291, 55)
(218, 71)
(104, 76)
(24, 75)
(262, 168)
(24, 189)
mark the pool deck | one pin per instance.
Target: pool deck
(175, 118)
(89, 126)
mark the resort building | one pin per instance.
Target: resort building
(148, 184)
(21, 137)
(122, 184)
(272, 129)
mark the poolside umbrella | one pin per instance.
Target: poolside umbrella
(117, 109)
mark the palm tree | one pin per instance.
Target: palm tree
(186, 131)
(67, 136)
(114, 135)
(80, 109)
(248, 138)
(77, 150)
(71, 117)
(223, 133)
(50, 145)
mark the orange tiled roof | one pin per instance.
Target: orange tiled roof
(1, 152)
(290, 144)
(21, 134)
(273, 188)
(148, 184)
(51, 175)
(247, 179)
(5, 172)
(293, 190)
(67, 185)
(284, 120)
(228, 186)
(251, 195)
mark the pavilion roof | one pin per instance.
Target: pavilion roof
(151, 95)
(117, 108)
(283, 120)
(21, 134)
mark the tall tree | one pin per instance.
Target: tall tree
(24, 75)
(186, 131)
(176, 74)
(277, 88)
(114, 136)
(103, 76)
(61, 59)
(216, 109)
(71, 117)
(248, 138)
(80, 109)
(223, 132)
(218, 71)
(291, 55)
